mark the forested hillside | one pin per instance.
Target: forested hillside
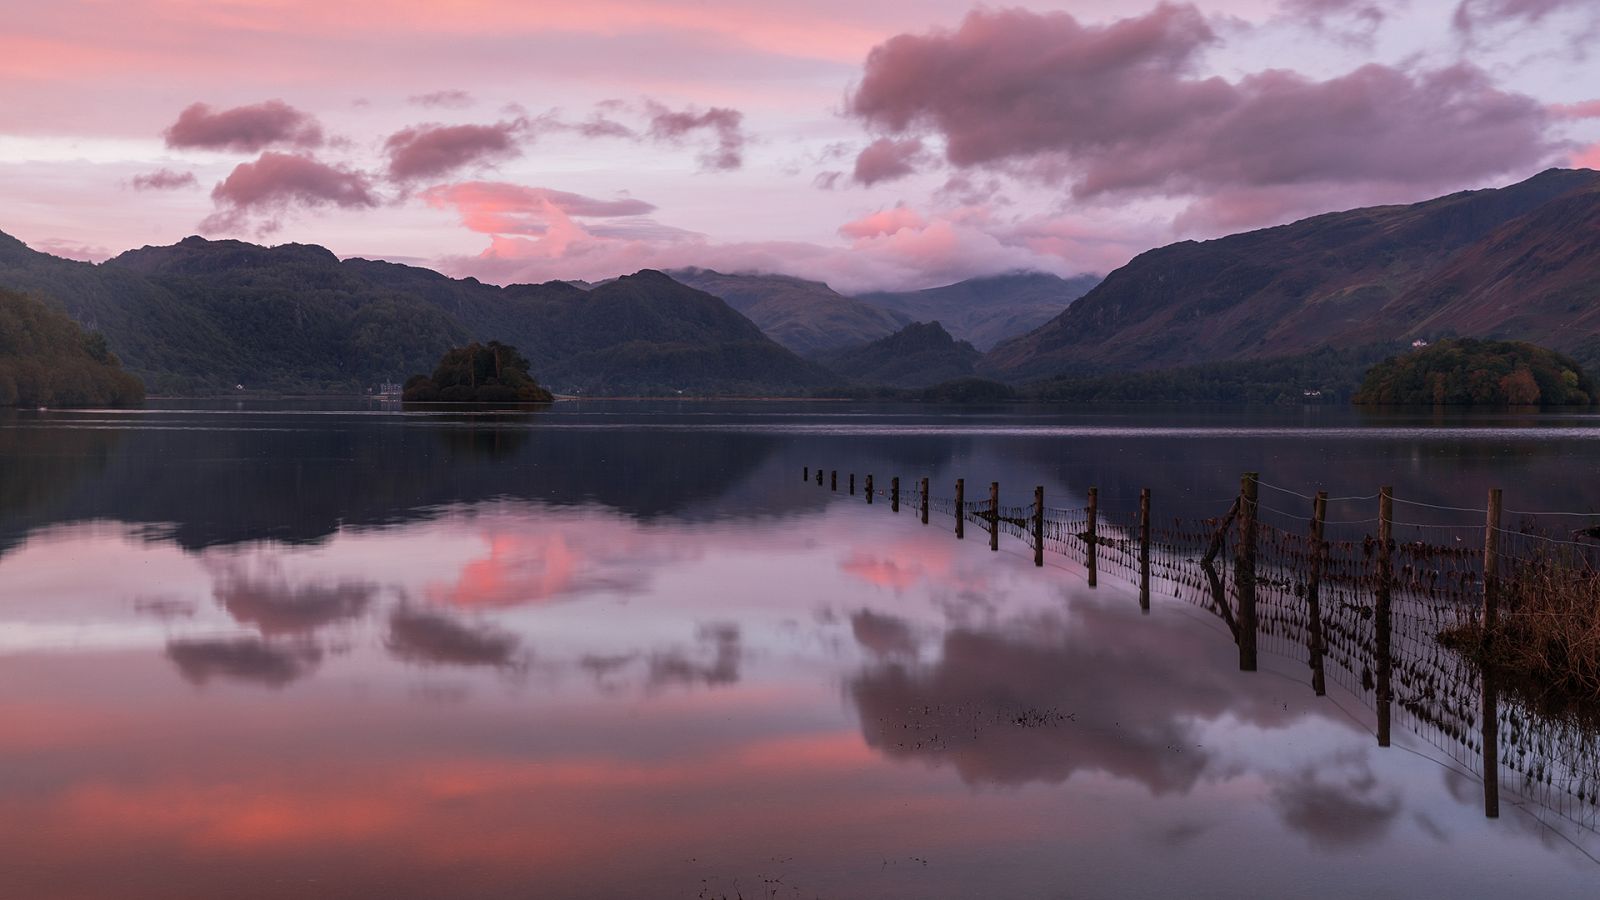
(47, 360)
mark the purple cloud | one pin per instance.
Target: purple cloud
(433, 151)
(244, 128)
(448, 99)
(886, 159)
(163, 180)
(278, 181)
(726, 126)
(1118, 109)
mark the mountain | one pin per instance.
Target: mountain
(205, 314)
(916, 356)
(1517, 262)
(986, 311)
(808, 317)
(46, 359)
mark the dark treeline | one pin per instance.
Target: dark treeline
(1466, 371)
(47, 360)
(1321, 376)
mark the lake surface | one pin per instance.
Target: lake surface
(623, 650)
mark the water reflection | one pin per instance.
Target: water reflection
(526, 671)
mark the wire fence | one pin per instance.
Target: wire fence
(1363, 615)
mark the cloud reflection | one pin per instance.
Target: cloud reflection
(431, 638)
(243, 659)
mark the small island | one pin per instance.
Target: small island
(47, 360)
(1462, 372)
(478, 373)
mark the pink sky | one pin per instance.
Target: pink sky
(893, 144)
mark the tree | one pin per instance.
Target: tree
(478, 373)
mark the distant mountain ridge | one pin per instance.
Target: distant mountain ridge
(919, 355)
(1520, 262)
(205, 314)
(808, 317)
(986, 311)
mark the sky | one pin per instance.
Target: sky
(887, 145)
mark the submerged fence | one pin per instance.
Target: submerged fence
(1360, 598)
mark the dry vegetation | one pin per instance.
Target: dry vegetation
(1547, 638)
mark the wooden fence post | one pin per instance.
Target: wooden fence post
(894, 494)
(1383, 614)
(819, 478)
(1091, 542)
(1245, 571)
(924, 501)
(1038, 525)
(852, 484)
(869, 489)
(805, 474)
(1144, 550)
(1491, 568)
(994, 515)
(1319, 550)
(833, 480)
(961, 508)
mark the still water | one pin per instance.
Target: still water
(622, 650)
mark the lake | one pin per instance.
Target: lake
(616, 649)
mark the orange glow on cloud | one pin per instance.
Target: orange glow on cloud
(518, 569)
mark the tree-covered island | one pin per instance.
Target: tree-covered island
(478, 373)
(1464, 371)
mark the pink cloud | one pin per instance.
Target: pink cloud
(1589, 109)
(244, 128)
(1116, 108)
(886, 159)
(279, 181)
(725, 125)
(433, 151)
(494, 207)
(163, 180)
(1587, 158)
(883, 222)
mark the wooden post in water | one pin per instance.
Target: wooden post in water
(1383, 614)
(833, 480)
(1091, 540)
(1319, 549)
(869, 488)
(894, 494)
(1245, 571)
(961, 508)
(1038, 525)
(852, 484)
(1491, 567)
(1491, 745)
(994, 515)
(819, 478)
(1144, 550)
(805, 474)
(924, 501)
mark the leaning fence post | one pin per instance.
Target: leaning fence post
(1090, 540)
(894, 494)
(994, 515)
(1038, 525)
(1491, 568)
(869, 488)
(1383, 613)
(1144, 550)
(1245, 571)
(961, 508)
(924, 501)
(1319, 550)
